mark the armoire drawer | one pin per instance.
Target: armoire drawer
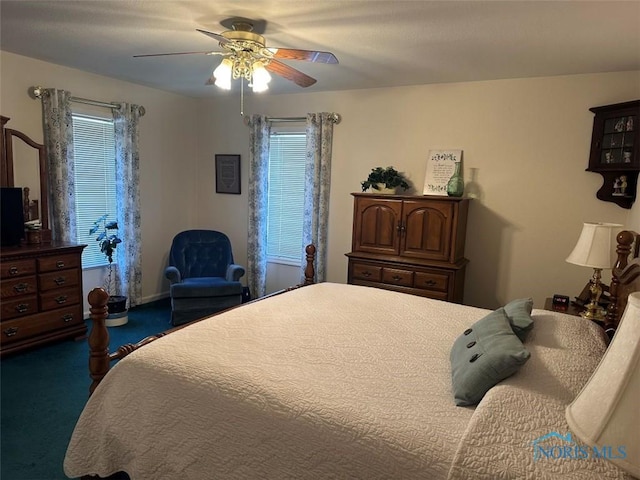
(367, 272)
(431, 281)
(21, 328)
(397, 276)
(18, 286)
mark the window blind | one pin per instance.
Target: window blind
(286, 197)
(95, 176)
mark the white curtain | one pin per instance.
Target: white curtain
(58, 140)
(319, 130)
(129, 252)
(259, 136)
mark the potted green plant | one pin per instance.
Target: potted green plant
(384, 178)
(107, 238)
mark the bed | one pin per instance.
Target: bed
(334, 381)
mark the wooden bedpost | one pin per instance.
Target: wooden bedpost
(309, 271)
(99, 361)
(625, 240)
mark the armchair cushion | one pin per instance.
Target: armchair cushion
(205, 287)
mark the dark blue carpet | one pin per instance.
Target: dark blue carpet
(44, 390)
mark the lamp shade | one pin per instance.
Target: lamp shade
(222, 74)
(594, 247)
(606, 413)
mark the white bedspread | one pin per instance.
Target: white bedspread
(327, 381)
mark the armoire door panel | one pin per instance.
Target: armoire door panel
(377, 224)
(428, 230)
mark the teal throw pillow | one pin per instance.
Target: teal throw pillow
(519, 313)
(485, 354)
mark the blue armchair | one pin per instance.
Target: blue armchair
(204, 279)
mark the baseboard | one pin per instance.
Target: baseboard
(148, 299)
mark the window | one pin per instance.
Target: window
(286, 197)
(95, 174)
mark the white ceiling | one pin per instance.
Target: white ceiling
(378, 43)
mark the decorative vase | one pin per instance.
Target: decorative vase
(384, 190)
(455, 186)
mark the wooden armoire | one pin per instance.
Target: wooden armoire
(411, 244)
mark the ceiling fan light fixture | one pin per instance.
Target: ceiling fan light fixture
(222, 74)
(260, 78)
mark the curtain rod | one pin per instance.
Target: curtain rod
(335, 117)
(37, 92)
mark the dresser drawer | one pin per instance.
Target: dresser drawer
(18, 286)
(431, 281)
(19, 329)
(58, 262)
(397, 276)
(362, 271)
(16, 268)
(59, 298)
(19, 307)
(64, 278)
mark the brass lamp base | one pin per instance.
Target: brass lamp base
(593, 310)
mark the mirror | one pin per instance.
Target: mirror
(24, 165)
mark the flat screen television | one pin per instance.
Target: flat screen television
(11, 216)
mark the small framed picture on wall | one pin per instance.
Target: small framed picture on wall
(227, 173)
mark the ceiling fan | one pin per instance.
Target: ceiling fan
(247, 56)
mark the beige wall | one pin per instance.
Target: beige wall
(168, 149)
(527, 139)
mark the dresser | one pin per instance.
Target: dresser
(41, 295)
(411, 244)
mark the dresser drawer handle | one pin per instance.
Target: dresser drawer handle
(60, 280)
(366, 273)
(21, 287)
(10, 332)
(430, 283)
(396, 277)
(23, 307)
(60, 264)
(67, 318)
(61, 299)
(13, 271)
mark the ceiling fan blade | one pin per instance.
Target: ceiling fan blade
(290, 73)
(216, 36)
(307, 55)
(208, 52)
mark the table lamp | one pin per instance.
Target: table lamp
(605, 413)
(594, 249)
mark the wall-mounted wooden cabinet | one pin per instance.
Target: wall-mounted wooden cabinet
(615, 151)
(412, 244)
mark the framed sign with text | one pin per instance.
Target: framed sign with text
(227, 173)
(441, 165)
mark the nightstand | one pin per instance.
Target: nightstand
(572, 309)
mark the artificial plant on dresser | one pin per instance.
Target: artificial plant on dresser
(411, 244)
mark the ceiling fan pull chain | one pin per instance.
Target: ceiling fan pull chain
(241, 96)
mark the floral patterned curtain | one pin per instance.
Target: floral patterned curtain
(260, 131)
(58, 140)
(317, 186)
(129, 252)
